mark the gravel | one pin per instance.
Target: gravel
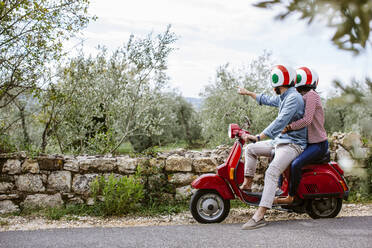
(237, 215)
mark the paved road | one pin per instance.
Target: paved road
(340, 232)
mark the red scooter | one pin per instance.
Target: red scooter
(320, 193)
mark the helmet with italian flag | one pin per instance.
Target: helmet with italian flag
(307, 77)
(283, 75)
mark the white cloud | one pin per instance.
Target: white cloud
(214, 32)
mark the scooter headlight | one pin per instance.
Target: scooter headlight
(229, 132)
(233, 130)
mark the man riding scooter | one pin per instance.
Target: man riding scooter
(287, 146)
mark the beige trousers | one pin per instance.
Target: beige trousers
(284, 154)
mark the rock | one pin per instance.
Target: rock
(44, 178)
(158, 163)
(90, 201)
(127, 165)
(5, 187)
(7, 207)
(193, 154)
(206, 153)
(220, 154)
(42, 201)
(264, 161)
(344, 159)
(76, 201)
(361, 153)
(18, 155)
(178, 163)
(12, 166)
(259, 179)
(204, 165)
(185, 192)
(181, 178)
(179, 151)
(71, 165)
(67, 195)
(50, 163)
(7, 178)
(257, 187)
(98, 164)
(167, 197)
(81, 183)
(9, 197)
(156, 182)
(116, 176)
(30, 183)
(30, 166)
(351, 141)
(60, 181)
(332, 155)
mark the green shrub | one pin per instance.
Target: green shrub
(120, 195)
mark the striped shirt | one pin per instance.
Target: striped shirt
(313, 118)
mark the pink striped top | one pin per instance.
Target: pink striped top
(313, 118)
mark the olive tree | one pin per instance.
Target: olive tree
(102, 101)
(31, 38)
(223, 105)
(31, 35)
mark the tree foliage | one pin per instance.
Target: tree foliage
(108, 98)
(31, 36)
(351, 19)
(222, 104)
(94, 104)
(350, 111)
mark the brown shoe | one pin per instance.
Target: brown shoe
(283, 200)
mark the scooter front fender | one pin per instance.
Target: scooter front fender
(213, 181)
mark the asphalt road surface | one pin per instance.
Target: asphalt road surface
(339, 232)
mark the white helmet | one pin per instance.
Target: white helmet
(307, 77)
(283, 75)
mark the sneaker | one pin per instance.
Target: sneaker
(252, 224)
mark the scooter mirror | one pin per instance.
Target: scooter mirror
(247, 123)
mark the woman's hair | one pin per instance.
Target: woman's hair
(304, 88)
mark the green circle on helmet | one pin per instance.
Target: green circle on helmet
(275, 78)
(299, 78)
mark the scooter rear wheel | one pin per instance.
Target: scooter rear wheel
(324, 208)
(207, 206)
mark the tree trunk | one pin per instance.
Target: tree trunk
(26, 137)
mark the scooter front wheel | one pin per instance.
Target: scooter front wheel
(207, 206)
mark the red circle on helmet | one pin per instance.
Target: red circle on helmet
(285, 74)
(309, 77)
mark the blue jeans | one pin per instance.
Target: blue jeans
(312, 152)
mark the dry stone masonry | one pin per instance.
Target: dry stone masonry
(55, 180)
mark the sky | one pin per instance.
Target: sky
(215, 32)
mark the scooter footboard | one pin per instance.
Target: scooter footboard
(213, 181)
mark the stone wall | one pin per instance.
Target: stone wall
(54, 180)
(348, 150)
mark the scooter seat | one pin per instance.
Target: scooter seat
(325, 159)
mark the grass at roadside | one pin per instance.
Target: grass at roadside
(3, 223)
(356, 197)
(71, 212)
